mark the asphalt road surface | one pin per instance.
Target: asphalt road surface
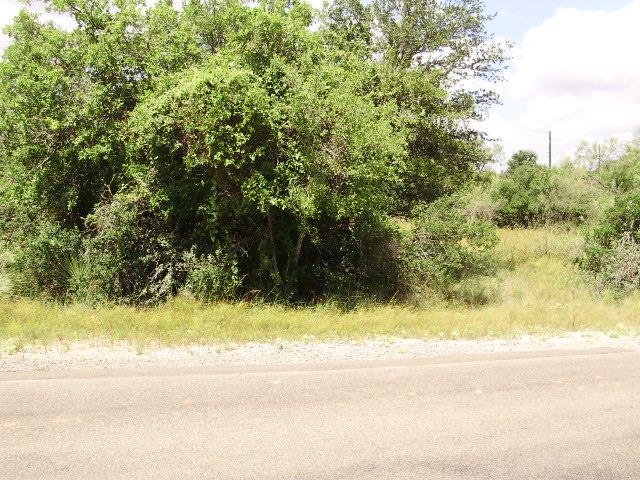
(521, 416)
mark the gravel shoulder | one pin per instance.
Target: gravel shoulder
(109, 356)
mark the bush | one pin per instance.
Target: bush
(356, 261)
(621, 223)
(522, 158)
(481, 203)
(447, 247)
(522, 193)
(529, 195)
(623, 172)
(376, 263)
(575, 197)
(41, 265)
(130, 255)
(211, 277)
(620, 266)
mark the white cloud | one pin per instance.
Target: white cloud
(576, 74)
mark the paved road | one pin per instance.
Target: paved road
(540, 416)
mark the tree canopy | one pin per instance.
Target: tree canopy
(247, 149)
(522, 158)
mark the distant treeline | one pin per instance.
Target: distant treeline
(597, 190)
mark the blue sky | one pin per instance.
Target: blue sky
(574, 71)
(516, 17)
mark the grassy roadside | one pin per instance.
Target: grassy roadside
(538, 292)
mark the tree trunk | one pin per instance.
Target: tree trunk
(274, 252)
(296, 258)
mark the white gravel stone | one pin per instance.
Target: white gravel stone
(102, 355)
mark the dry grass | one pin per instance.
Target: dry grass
(541, 293)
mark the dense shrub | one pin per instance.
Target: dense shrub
(622, 172)
(227, 149)
(621, 221)
(446, 247)
(480, 202)
(376, 261)
(130, 254)
(523, 194)
(529, 194)
(41, 264)
(6, 284)
(619, 268)
(575, 197)
(522, 158)
(211, 277)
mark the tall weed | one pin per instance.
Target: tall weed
(6, 284)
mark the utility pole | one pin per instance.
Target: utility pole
(549, 149)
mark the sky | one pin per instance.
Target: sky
(573, 70)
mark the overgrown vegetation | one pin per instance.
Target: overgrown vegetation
(598, 190)
(231, 151)
(539, 291)
(449, 252)
(528, 194)
(274, 154)
(613, 247)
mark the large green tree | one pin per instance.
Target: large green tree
(433, 53)
(235, 141)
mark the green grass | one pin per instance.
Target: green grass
(541, 293)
